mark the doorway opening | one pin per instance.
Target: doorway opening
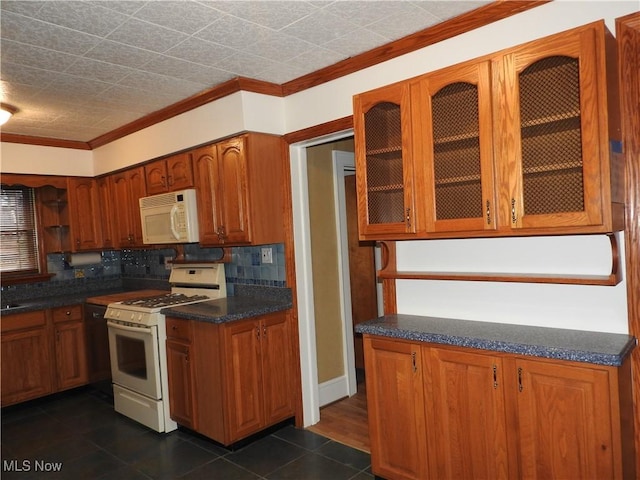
(351, 276)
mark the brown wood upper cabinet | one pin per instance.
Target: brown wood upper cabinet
(85, 213)
(384, 162)
(453, 140)
(239, 184)
(127, 187)
(513, 143)
(169, 174)
(556, 110)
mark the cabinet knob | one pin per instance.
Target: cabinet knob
(513, 211)
(488, 212)
(68, 312)
(408, 217)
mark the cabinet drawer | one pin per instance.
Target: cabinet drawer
(64, 314)
(21, 321)
(179, 329)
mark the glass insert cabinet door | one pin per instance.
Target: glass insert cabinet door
(453, 108)
(384, 163)
(551, 159)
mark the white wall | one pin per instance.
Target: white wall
(227, 116)
(578, 307)
(36, 159)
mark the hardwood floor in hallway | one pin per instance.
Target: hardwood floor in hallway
(345, 421)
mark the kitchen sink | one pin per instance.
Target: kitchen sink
(7, 306)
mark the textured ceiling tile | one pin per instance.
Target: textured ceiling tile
(280, 47)
(81, 16)
(364, 13)
(146, 36)
(154, 83)
(95, 69)
(356, 41)
(244, 64)
(120, 54)
(280, 73)
(23, 8)
(273, 14)
(319, 28)
(446, 9)
(22, 74)
(37, 57)
(412, 19)
(125, 95)
(195, 72)
(128, 7)
(234, 32)
(178, 15)
(200, 51)
(69, 86)
(41, 34)
(317, 58)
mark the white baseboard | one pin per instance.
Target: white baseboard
(333, 390)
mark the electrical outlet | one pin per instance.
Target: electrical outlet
(267, 255)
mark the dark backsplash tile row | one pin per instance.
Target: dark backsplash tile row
(141, 269)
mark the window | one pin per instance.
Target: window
(18, 231)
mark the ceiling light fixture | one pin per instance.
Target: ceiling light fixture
(5, 112)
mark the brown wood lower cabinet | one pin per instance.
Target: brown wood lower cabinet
(26, 357)
(228, 381)
(43, 352)
(459, 413)
(69, 347)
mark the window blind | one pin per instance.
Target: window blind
(18, 233)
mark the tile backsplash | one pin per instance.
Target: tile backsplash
(246, 267)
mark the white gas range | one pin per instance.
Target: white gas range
(137, 342)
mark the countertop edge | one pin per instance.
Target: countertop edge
(387, 326)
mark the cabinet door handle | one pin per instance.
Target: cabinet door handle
(413, 362)
(408, 218)
(519, 379)
(495, 376)
(513, 211)
(488, 213)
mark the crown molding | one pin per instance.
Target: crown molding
(44, 141)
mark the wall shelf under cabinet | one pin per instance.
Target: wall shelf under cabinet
(389, 271)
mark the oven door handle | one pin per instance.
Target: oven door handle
(127, 328)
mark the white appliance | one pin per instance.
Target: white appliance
(170, 217)
(137, 343)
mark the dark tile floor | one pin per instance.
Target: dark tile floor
(77, 435)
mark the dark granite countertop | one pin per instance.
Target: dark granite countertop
(42, 303)
(564, 344)
(249, 301)
(228, 309)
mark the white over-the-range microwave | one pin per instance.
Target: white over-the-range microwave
(170, 217)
